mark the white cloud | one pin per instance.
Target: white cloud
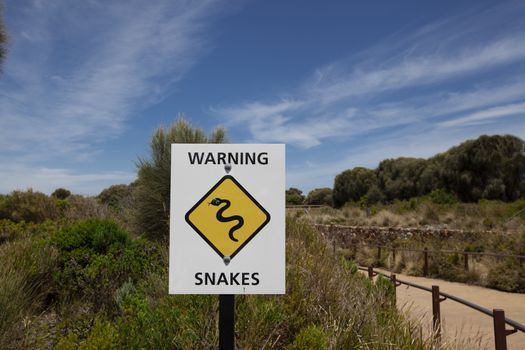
(22, 177)
(431, 66)
(423, 69)
(96, 93)
(77, 72)
(487, 115)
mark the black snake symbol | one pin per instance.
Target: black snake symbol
(218, 201)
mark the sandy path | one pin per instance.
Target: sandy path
(459, 319)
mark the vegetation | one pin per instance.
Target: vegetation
(61, 193)
(351, 185)
(91, 272)
(28, 206)
(116, 195)
(487, 226)
(153, 183)
(319, 196)
(87, 283)
(294, 196)
(490, 167)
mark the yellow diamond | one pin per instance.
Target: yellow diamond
(227, 217)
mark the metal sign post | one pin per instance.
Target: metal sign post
(226, 322)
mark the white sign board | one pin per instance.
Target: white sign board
(227, 219)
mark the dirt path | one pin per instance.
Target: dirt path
(458, 319)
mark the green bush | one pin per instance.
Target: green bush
(319, 196)
(351, 185)
(28, 206)
(440, 196)
(294, 196)
(97, 257)
(310, 338)
(10, 230)
(507, 275)
(103, 336)
(94, 234)
(113, 196)
(61, 193)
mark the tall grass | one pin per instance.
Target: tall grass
(422, 211)
(25, 284)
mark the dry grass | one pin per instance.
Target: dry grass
(25, 284)
(486, 215)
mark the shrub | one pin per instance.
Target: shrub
(113, 196)
(319, 196)
(310, 338)
(294, 196)
(351, 185)
(182, 322)
(153, 183)
(103, 336)
(61, 193)
(507, 275)
(10, 230)
(81, 208)
(97, 257)
(28, 206)
(440, 196)
(94, 234)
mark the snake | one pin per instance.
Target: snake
(218, 201)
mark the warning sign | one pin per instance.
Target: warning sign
(227, 217)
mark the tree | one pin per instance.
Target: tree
(294, 196)
(398, 178)
(113, 195)
(491, 167)
(319, 196)
(374, 195)
(153, 183)
(61, 193)
(351, 185)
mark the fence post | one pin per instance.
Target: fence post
(436, 311)
(396, 284)
(500, 333)
(465, 259)
(370, 272)
(393, 257)
(425, 261)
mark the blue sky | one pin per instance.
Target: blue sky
(342, 83)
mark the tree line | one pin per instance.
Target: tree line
(489, 167)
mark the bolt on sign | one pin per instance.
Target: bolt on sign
(227, 229)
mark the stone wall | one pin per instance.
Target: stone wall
(346, 235)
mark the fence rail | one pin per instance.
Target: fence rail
(448, 251)
(498, 315)
(306, 206)
(426, 252)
